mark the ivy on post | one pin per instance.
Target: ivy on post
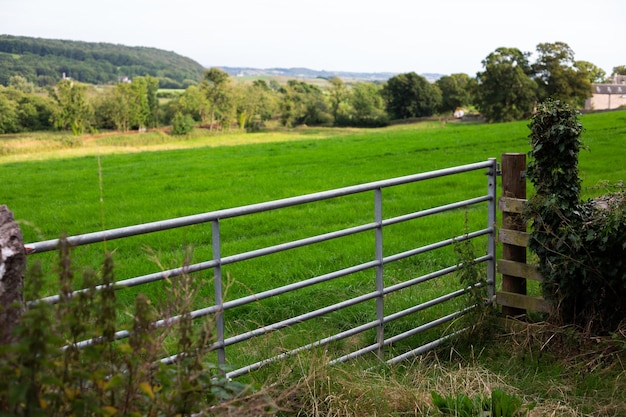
(580, 245)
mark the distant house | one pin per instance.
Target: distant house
(608, 96)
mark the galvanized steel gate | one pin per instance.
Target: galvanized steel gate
(218, 262)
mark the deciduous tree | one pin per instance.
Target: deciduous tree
(411, 95)
(118, 109)
(366, 107)
(22, 84)
(557, 77)
(455, 92)
(595, 74)
(505, 90)
(619, 70)
(337, 95)
(73, 111)
(8, 115)
(303, 103)
(195, 103)
(256, 103)
(219, 92)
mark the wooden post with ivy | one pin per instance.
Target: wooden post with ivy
(513, 186)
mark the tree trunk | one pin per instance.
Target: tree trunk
(12, 266)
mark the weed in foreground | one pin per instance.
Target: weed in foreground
(65, 359)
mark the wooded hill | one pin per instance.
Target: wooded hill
(43, 62)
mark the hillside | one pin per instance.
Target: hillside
(43, 62)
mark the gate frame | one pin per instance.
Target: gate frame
(216, 217)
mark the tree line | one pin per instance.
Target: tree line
(507, 89)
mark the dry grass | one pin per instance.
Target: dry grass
(554, 371)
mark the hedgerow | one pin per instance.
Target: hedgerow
(581, 246)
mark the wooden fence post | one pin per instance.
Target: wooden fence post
(12, 266)
(513, 185)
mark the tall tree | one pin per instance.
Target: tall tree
(595, 75)
(194, 102)
(303, 103)
(256, 103)
(9, 122)
(367, 107)
(152, 88)
(619, 70)
(411, 95)
(118, 109)
(219, 92)
(139, 102)
(73, 111)
(455, 92)
(35, 112)
(557, 77)
(338, 95)
(505, 90)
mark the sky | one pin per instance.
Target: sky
(396, 36)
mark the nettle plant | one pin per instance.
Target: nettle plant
(581, 246)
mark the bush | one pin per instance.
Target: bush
(182, 124)
(580, 245)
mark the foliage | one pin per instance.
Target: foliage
(411, 95)
(303, 103)
(478, 321)
(195, 103)
(52, 376)
(593, 73)
(182, 124)
(338, 96)
(558, 77)
(43, 62)
(505, 89)
(509, 86)
(580, 245)
(256, 103)
(22, 84)
(499, 404)
(619, 70)
(218, 90)
(24, 112)
(365, 107)
(8, 116)
(455, 92)
(73, 111)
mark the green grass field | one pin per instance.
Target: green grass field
(57, 184)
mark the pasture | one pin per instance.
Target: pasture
(60, 185)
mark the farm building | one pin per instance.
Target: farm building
(608, 96)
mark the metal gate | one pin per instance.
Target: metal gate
(377, 295)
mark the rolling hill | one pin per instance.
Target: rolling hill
(44, 61)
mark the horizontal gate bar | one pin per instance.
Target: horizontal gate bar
(201, 266)
(122, 334)
(107, 235)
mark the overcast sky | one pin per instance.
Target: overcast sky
(335, 35)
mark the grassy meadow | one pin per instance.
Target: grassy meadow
(57, 184)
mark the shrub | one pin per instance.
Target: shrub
(182, 124)
(580, 245)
